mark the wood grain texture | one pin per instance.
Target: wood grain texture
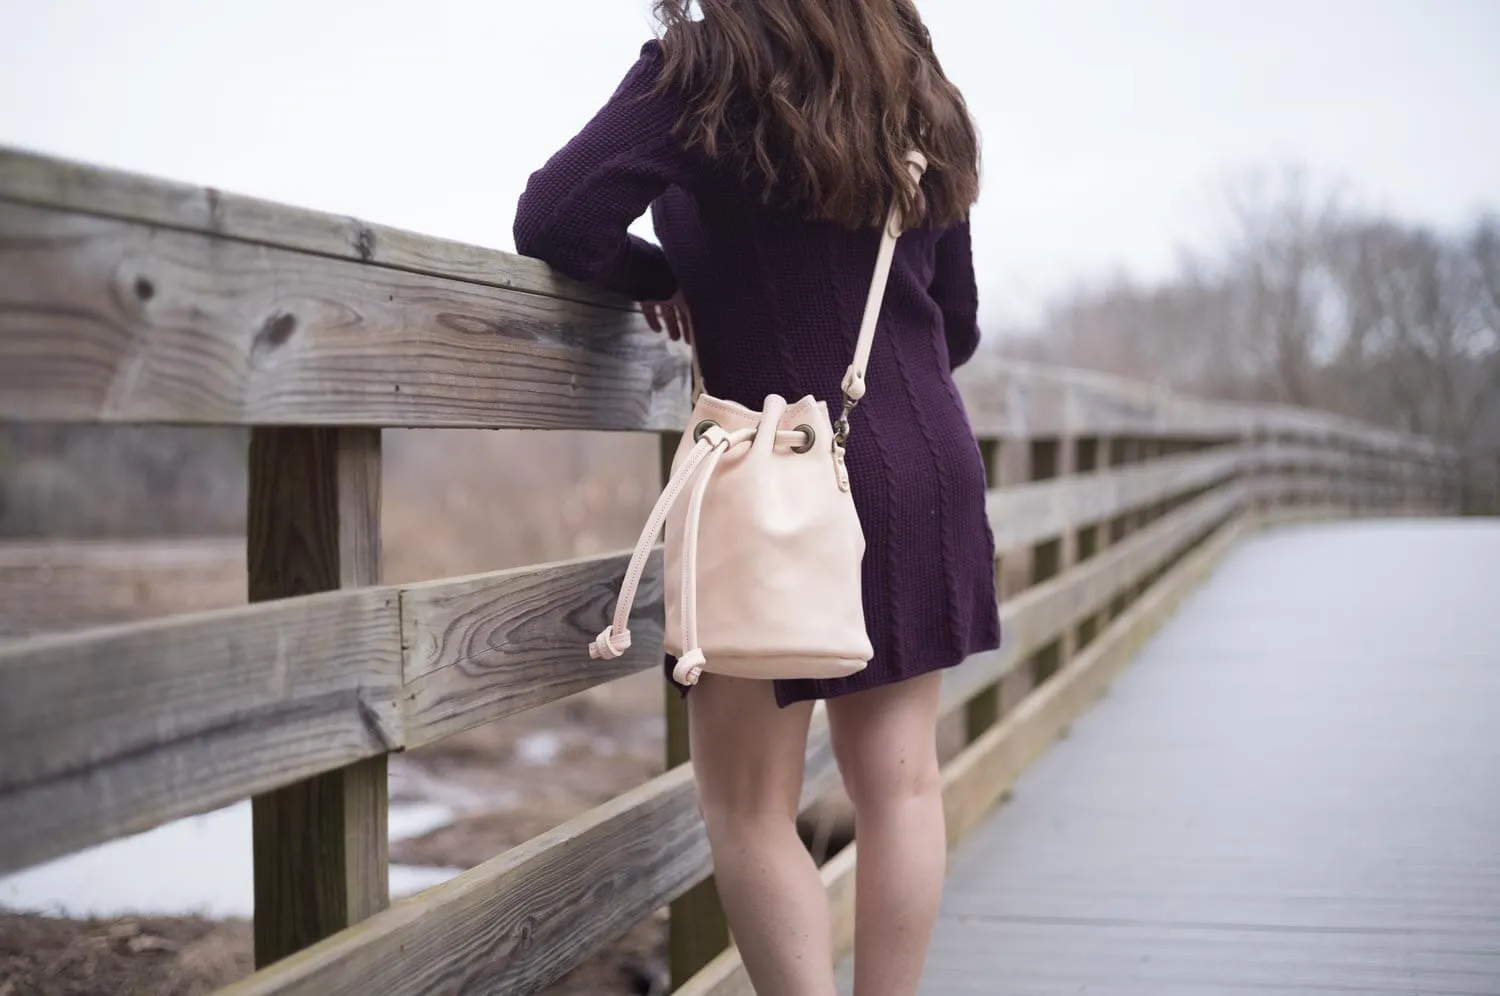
(117, 730)
(1025, 514)
(1038, 616)
(104, 320)
(320, 846)
(520, 921)
(61, 184)
(484, 647)
(1010, 398)
(524, 919)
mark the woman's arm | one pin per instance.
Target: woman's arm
(576, 210)
(953, 288)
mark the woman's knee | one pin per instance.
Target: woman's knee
(747, 754)
(728, 815)
(886, 745)
(880, 774)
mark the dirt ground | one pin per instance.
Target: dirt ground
(134, 956)
(191, 956)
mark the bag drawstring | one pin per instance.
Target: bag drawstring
(700, 463)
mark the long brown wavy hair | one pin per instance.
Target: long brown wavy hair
(822, 99)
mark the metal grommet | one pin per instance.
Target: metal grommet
(702, 427)
(809, 435)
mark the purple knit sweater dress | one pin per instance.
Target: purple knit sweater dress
(776, 303)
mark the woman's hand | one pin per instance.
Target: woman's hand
(670, 316)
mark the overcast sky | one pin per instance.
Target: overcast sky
(1108, 124)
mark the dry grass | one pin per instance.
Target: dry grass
(464, 501)
(455, 502)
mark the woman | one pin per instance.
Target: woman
(768, 139)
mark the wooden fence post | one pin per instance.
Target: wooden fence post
(1126, 452)
(984, 709)
(320, 846)
(1052, 458)
(1088, 455)
(1148, 450)
(1253, 474)
(696, 929)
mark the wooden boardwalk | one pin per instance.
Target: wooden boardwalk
(1294, 789)
(130, 300)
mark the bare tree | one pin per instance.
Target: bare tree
(1311, 302)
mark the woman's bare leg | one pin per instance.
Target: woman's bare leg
(885, 740)
(747, 761)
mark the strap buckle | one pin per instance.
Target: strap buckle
(841, 425)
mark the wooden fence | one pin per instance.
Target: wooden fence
(130, 300)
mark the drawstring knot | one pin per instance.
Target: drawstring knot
(610, 644)
(689, 667)
(697, 470)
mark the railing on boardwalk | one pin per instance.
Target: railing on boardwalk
(130, 300)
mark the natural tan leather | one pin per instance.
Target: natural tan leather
(763, 544)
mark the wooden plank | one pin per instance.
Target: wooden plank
(987, 769)
(983, 710)
(1273, 517)
(68, 185)
(518, 922)
(1282, 489)
(1009, 397)
(977, 778)
(1012, 398)
(484, 647)
(113, 321)
(1318, 458)
(1038, 616)
(116, 730)
(523, 920)
(1172, 848)
(321, 851)
(1025, 514)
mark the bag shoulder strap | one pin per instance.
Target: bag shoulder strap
(854, 377)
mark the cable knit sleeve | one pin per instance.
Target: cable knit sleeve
(953, 288)
(576, 210)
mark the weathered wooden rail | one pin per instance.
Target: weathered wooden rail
(130, 300)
